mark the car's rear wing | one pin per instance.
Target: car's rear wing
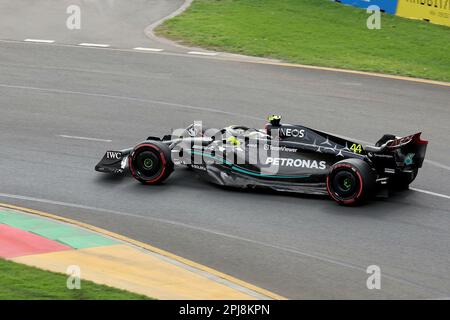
(412, 149)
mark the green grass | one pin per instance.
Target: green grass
(20, 282)
(315, 32)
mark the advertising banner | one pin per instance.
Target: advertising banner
(435, 11)
(388, 6)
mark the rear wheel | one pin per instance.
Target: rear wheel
(151, 163)
(350, 181)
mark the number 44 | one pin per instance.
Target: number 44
(356, 148)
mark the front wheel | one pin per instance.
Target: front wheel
(150, 162)
(350, 181)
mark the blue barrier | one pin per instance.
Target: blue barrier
(388, 6)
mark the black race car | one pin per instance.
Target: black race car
(283, 157)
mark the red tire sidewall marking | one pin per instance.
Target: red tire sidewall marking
(349, 201)
(161, 155)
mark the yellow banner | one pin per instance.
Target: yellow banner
(436, 11)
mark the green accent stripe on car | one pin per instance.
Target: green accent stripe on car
(246, 171)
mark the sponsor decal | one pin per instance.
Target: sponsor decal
(114, 155)
(440, 4)
(124, 162)
(297, 163)
(435, 11)
(196, 166)
(387, 156)
(292, 132)
(282, 148)
(409, 159)
(401, 141)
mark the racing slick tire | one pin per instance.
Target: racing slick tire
(350, 181)
(151, 162)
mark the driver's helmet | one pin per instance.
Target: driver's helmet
(236, 131)
(234, 134)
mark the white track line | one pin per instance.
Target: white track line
(437, 164)
(147, 101)
(203, 53)
(320, 257)
(99, 45)
(39, 40)
(148, 49)
(430, 193)
(83, 138)
(280, 64)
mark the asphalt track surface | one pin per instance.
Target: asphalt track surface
(296, 246)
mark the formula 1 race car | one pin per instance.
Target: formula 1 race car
(282, 157)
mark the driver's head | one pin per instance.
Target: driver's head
(274, 120)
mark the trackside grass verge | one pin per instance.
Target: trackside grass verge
(21, 282)
(315, 32)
